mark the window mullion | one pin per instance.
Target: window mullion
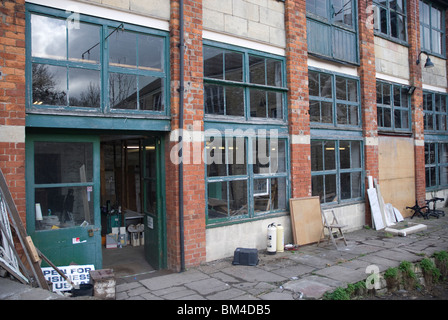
(104, 58)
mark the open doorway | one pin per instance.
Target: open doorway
(125, 161)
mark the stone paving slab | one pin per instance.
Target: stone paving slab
(306, 273)
(252, 273)
(397, 255)
(342, 274)
(312, 260)
(309, 288)
(207, 286)
(174, 279)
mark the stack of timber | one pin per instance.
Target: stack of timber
(383, 215)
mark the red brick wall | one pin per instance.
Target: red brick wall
(193, 114)
(415, 73)
(298, 99)
(367, 75)
(12, 97)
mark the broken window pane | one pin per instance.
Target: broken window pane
(237, 197)
(214, 99)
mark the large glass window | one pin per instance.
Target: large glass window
(246, 177)
(436, 164)
(332, 30)
(393, 107)
(390, 18)
(435, 111)
(243, 84)
(432, 28)
(95, 65)
(334, 100)
(63, 180)
(336, 170)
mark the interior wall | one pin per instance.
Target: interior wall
(397, 172)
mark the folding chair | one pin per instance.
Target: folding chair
(330, 226)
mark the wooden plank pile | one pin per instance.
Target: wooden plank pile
(383, 214)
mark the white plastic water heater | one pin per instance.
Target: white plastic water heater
(272, 239)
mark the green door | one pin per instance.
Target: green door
(63, 192)
(153, 203)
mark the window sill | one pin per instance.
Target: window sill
(212, 225)
(392, 39)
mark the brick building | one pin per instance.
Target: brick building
(271, 99)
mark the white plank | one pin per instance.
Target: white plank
(398, 215)
(375, 209)
(389, 212)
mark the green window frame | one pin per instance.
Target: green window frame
(242, 85)
(390, 19)
(393, 107)
(436, 165)
(432, 29)
(337, 174)
(246, 177)
(332, 29)
(82, 181)
(334, 100)
(76, 65)
(435, 109)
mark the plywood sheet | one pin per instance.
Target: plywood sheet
(396, 172)
(306, 220)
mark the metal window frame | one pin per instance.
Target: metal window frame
(393, 107)
(103, 66)
(388, 9)
(249, 178)
(338, 171)
(434, 113)
(247, 86)
(329, 21)
(334, 124)
(431, 28)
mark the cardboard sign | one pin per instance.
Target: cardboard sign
(76, 274)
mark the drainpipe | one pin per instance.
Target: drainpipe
(181, 126)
